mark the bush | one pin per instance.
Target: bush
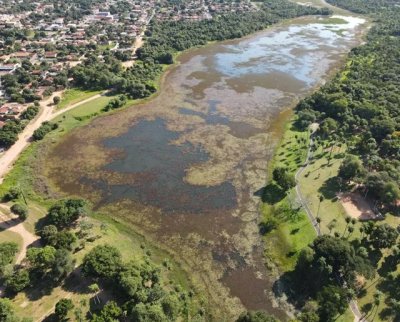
(62, 308)
(12, 194)
(45, 128)
(20, 210)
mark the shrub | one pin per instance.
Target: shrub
(20, 210)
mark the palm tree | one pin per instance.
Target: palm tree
(377, 301)
(350, 230)
(362, 230)
(321, 198)
(348, 220)
(318, 220)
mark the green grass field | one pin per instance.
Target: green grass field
(73, 96)
(287, 231)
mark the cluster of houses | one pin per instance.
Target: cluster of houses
(197, 10)
(53, 41)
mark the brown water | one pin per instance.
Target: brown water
(185, 167)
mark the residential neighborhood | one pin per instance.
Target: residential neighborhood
(41, 42)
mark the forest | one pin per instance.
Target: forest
(359, 109)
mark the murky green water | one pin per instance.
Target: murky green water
(185, 167)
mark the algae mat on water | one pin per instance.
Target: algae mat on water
(188, 167)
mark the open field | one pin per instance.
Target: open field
(73, 96)
(286, 231)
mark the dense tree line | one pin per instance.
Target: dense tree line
(164, 39)
(328, 273)
(361, 106)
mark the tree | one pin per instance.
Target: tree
(6, 311)
(12, 194)
(333, 301)
(350, 168)
(7, 138)
(255, 316)
(45, 128)
(283, 178)
(56, 100)
(18, 281)
(95, 289)
(20, 210)
(383, 236)
(390, 193)
(348, 220)
(8, 250)
(148, 312)
(41, 259)
(65, 239)
(49, 235)
(171, 306)
(109, 313)
(66, 212)
(63, 264)
(63, 306)
(102, 261)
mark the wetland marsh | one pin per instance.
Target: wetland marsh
(186, 167)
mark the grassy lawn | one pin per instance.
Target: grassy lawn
(74, 95)
(292, 233)
(286, 232)
(9, 236)
(317, 180)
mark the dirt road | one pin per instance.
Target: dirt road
(46, 113)
(12, 223)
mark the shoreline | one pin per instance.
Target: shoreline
(162, 78)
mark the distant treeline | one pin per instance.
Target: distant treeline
(361, 106)
(164, 39)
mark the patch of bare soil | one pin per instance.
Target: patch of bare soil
(357, 206)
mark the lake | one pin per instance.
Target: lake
(186, 168)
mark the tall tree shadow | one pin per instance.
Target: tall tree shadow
(270, 194)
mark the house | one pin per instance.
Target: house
(22, 55)
(10, 111)
(50, 55)
(8, 68)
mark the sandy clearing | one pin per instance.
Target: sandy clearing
(357, 206)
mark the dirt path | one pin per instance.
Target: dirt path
(46, 114)
(12, 223)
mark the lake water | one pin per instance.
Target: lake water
(185, 168)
